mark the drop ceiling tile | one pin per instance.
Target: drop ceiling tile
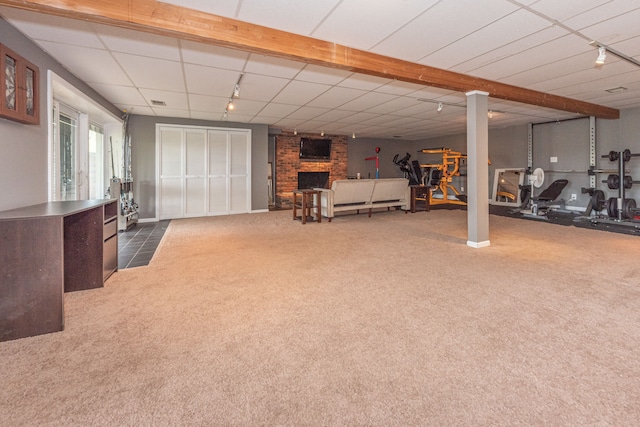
(396, 105)
(601, 13)
(287, 15)
(381, 18)
(561, 11)
(210, 81)
(260, 88)
(247, 107)
(517, 47)
(518, 25)
(152, 73)
(358, 117)
(136, 109)
(207, 103)
(170, 112)
(334, 116)
(119, 94)
(396, 87)
(271, 66)
(52, 29)
(622, 28)
(138, 43)
(364, 82)
(307, 113)
(205, 115)
(335, 97)
(365, 101)
(276, 110)
(300, 93)
(316, 74)
(468, 15)
(90, 65)
(174, 100)
(213, 56)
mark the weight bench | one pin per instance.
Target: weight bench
(548, 197)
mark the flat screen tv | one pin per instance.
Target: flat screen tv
(315, 149)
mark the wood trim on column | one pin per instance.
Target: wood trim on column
(176, 21)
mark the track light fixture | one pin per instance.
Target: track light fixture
(234, 94)
(321, 133)
(602, 55)
(353, 136)
(603, 50)
(440, 106)
(490, 114)
(295, 131)
(236, 91)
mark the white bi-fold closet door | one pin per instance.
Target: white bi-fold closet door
(202, 171)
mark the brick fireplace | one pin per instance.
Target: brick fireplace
(288, 164)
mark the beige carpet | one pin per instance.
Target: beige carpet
(385, 321)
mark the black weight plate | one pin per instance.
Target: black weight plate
(626, 155)
(613, 182)
(613, 156)
(597, 200)
(628, 182)
(628, 208)
(612, 207)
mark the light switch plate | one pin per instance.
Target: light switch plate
(554, 160)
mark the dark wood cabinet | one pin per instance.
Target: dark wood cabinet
(19, 86)
(49, 249)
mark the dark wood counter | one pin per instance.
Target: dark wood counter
(49, 249)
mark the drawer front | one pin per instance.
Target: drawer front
(110, 229)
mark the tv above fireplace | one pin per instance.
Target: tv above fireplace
(315, 149)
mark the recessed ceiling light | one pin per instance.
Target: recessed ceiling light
(616, 89)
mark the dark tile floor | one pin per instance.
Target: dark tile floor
(137, 245)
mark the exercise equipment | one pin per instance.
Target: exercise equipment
(409, 172)
(450, 167)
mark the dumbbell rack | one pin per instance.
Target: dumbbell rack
(618, 208)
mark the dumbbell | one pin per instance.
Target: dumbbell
(628, 208)
(615, 155)
(613, 181)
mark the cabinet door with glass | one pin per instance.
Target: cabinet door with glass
(19, 88)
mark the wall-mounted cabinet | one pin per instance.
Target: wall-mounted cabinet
(19, 88)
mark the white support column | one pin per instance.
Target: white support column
(477, 169)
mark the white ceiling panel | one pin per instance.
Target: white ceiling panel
(137, 43)
(364, 82)
(213, 56)
(152, 73)
(170, 112)
(365, 101)
(519, 25)
(300, 17)
(316, 74)
(209, 81)
(417, 39)
(276, 110)
(259, 88)
(335, 97)
(91, 65)
(174, 100)
(127, 95)
(561, 11)
(307, 113)
(247, 107)
(59, 30)
(613, 30)
(300, 93)
(382, 18)
(207, 103)
(270, 66)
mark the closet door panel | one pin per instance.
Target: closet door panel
(171, 173)
(195, 172)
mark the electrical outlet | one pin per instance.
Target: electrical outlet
(574, 197)
(553, 160)
(462, 189)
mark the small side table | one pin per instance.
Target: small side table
(305, 203)
(420, 192)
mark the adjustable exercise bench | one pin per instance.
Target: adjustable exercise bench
(548, 197)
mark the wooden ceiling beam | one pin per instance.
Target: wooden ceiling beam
(176, 21)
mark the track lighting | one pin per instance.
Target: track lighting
(353, 136)
(602, 55)
(295, 131)
(230, 105)
(490, 114)
(234, 94)
(440, 106)
(236, 90)
(322, 133)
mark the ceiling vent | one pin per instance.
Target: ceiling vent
(158, 103)
(616, 89)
